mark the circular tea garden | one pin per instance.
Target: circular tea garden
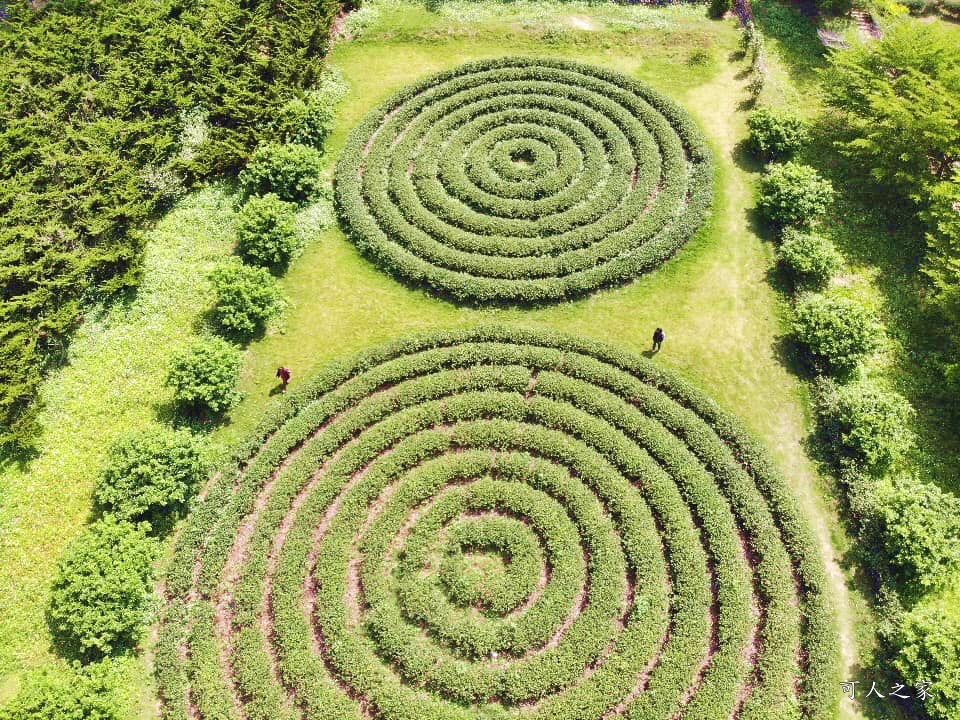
(496, 523)
(523, 180)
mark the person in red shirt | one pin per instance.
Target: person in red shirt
(284, 374)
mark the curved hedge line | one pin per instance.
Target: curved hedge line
(523, 180)
(497, 523)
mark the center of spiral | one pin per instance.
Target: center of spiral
(523, 157)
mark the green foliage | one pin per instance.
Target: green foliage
(719, 8)
(523, 204)
(810, 259)
(246, 298)
(900, 99)
(101, 594)
(928, 651)
(204, 378)
(865, 423)
(775, 134)
(794, 194)
(290, 171)
(305, 121)
(150, 476)
(93, 98)
(88, 693)
(265, 231)
(836, 332)
(545, 451)
(920, 524)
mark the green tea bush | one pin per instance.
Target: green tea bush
(521, 180)
(865, 423)
(835, 332)
(920, 524)
(927, 651)
(774, 134)
(794, 194)
(204, 377)
(150, 476)
(490, 522)
(266, 234)
(810, 259)
(246, 298)
(101, 592)
(289, 171)
(93, 692)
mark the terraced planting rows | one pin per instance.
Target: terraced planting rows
(497, 523)
(523, 180)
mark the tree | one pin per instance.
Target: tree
(266, 234)
(150, 475)
(100, 596)
(247, 297)
(291, 171)
(811, 260)
(775, 134)
(928, 651)
(204, 377)
(836, 332)
(900, 98)
(794, 194)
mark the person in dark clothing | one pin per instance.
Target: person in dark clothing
(284, 374)
(658, 337)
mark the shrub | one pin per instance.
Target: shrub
(204, 377)
(928, 651)
(149, 475)
(810, 259)
(265, 231)
(794, 194)
(719, 8)
(865, 423)
(290, 171)
(93, 692)
(920, 525)
(837, 333)
(305, 121)
(491, 213)
(100, 596)
(775, 134)
(246, 298)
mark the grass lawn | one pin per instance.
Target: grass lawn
(722, 317)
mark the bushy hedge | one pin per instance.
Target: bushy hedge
(928, 651)
(794, 194)
(810, 259)
(290, 171)
(865, 423)
(204, 377)
(837, 333)
(246, 298)
(91, 693)
(523, 180)
(333, 547)
(150, 476)
(101, 593)
(774, 134)
(266, 234)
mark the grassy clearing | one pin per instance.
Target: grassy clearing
(721, 316)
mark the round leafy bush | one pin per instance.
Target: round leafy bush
(928, 652)
(719, 8)
(246, 298)
(101, 593)
(794, 194)
(866, 423)
(92, 692)
(498, 523)
(266, 234)
(836, 332)
(290, 171)
(810, 259)
(305, 121)
(523, 180)
(150, 476)
(204, 377)
(920, 524)
(775, 134)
